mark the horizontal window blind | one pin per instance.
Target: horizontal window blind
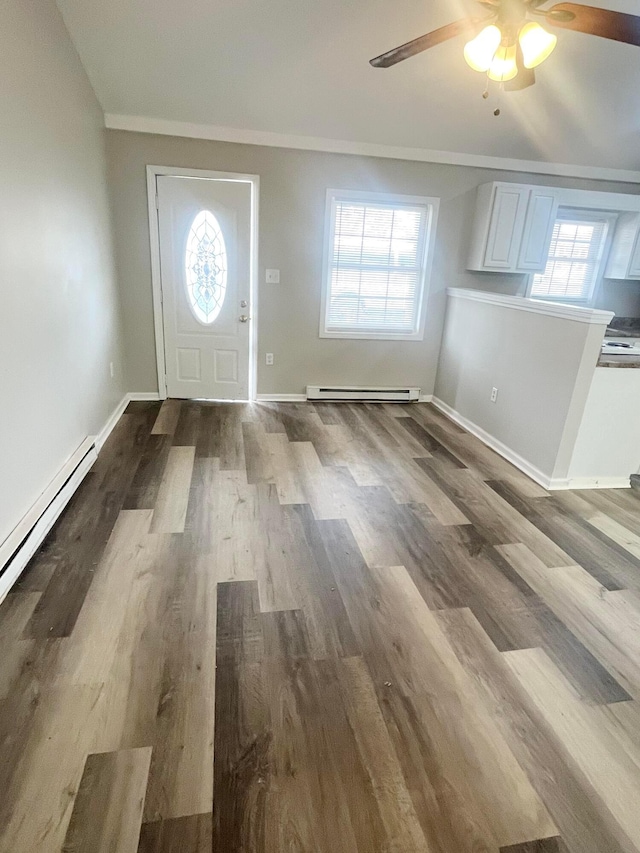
(376, 267)
(574, 258)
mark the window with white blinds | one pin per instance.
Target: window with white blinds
(573, 264)
(375, 265)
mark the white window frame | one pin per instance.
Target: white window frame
(432, 205)
(588, 215)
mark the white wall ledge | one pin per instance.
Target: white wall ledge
(578, 314)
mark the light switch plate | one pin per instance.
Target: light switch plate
(273, 276)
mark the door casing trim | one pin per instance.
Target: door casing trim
(153, 173)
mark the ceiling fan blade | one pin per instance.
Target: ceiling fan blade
(618, 26)
(525, 77)
(411, 48)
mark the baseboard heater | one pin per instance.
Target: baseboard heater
(25, 539)
(371, 393)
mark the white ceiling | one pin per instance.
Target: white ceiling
(301, 67)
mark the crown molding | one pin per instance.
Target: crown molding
(167, 127)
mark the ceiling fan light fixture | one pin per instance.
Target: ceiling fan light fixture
(536, 44)
(480, 51)
(504, 65)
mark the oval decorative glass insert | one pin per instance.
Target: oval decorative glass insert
(206, 267)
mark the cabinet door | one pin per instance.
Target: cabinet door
(538, 228)
(624, 255)
(505, 229)
(634, 264)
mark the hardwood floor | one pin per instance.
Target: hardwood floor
(389, 638)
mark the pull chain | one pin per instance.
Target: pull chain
(496, 112)
(486, 93)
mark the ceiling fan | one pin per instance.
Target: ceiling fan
(507, 45)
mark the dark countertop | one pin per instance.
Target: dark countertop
(622, 333)
(619, 361)
(623, 327)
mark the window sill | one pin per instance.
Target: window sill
(371, 335)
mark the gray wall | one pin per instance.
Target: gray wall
(59, 312)
(292, 207)
(542, 367)
(622, 297)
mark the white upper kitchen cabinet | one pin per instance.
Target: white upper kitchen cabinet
(624, 257)
(542, 209)
(512, 227)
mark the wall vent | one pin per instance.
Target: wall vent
(371, 393)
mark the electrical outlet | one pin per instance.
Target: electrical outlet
(269, 359)
(111, 370)
(273, 276)
(494, 395)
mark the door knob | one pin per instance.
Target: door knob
(243, 318)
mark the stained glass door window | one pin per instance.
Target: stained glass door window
(206, 267)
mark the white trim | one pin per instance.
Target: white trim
(107, 429)
(20, 532)
(27, 536)
(167, 127)
(569, 197)
(506, 452)
(142, 396)
(426, 398)
(57, 496)
(156, 281)
(579, 314)
(254, 273)
(281, 398)
(426, 249)
(552, 484)
(153, 172)
(595, 483)
(117, 413)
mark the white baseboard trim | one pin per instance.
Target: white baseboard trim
(506, 452)
(141, 396)
(25, 539)
(594, 483)
(115, 416)
(281, 398)
(107, 429)
(27, 536)
(20, 532)
(426, 398)
(552, 484)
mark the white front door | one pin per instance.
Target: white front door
(205, 260)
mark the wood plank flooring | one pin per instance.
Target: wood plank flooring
(325, 628)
